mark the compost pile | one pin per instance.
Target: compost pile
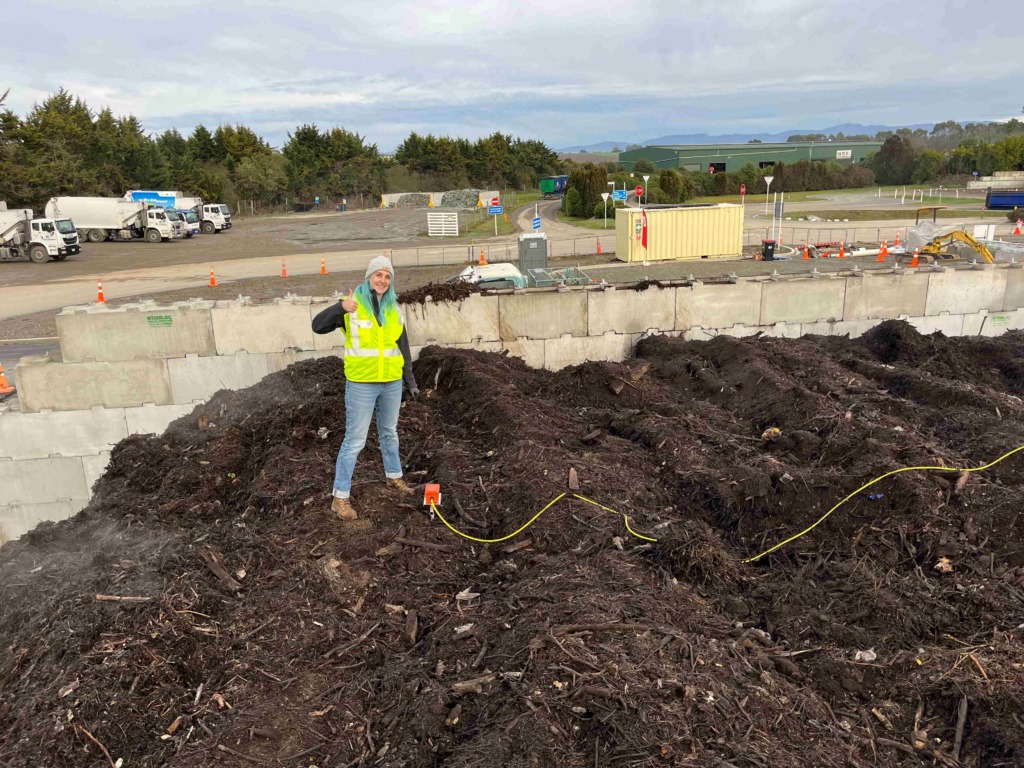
(413, 200)
(206, 608)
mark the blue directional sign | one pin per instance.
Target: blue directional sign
(536, 223)
(496, 209)
(619, 194)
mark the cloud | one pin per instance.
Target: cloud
(567, 72)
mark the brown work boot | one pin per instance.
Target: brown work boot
(344, 509)
(400, 485)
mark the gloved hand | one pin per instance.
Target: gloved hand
(414, 393)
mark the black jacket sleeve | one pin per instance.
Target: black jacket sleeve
(330, 319)
(407, 375)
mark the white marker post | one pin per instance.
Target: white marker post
(767, 185)
(604, 196)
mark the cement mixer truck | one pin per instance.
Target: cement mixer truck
(39, 240)
(110, 218)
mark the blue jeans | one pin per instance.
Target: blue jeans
(360, 400)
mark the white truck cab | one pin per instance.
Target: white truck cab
(193, 226)
(178, 228)
(213, 218)
(159, 227)
(39, 240)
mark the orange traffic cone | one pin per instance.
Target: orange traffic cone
(882, 252)
(842, 250)
(483, 259)
(1016, 230)
(807, 253)
(897, 243)
(213, 280)
(99, 293)
(284, 269)
(323, 266)
(599, 251)
(5, 387)
(914, 261)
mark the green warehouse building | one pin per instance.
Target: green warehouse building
(732, 157)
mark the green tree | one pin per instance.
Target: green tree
(261, 177)
(670, 185)
(201, 145)
(894, 162)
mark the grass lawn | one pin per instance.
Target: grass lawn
(485, 227)
(589, 223)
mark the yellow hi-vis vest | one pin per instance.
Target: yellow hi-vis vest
(371, 351)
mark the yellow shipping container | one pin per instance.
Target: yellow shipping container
(687, 232)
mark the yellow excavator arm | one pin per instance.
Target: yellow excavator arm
(935, 247)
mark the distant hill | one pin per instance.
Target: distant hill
(850, 129)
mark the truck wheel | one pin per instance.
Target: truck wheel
(153, 236)
(38, 254)
(96, 236)
(209, 228)
(81, 235)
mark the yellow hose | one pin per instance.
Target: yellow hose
(781, 544)
(868, 485)
(530, 522)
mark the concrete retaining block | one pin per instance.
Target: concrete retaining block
(153, 419)
(278, 361)
(802, 300)
(198, 378)
(283, 324)
(542, 315)
(475, 318)
(18, 519)
(1014, 298)
(627, 311)
(530, 351)
(851, 328)
(135, 332)
(573, 350)
(60, 433)
(963, 291)
(93, 467)
(886, 295)
(38, 481)
(784, 330)
(47, 385)
(950, 325)
(718, 306)
(998, 323)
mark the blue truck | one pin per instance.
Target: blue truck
(1004, 199)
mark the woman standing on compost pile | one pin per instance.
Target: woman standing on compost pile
(377, 360)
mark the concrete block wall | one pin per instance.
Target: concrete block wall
(76, 411)
(50, 461)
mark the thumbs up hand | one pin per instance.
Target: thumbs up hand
(349, 303)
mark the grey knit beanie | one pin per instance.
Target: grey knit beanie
(378, 263)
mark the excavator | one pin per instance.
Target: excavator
(938, 248)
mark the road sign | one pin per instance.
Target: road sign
(317, 201)
(619, 194)
(495, 201)
(495, 210)
(536, 223)
(639, 190)
(743, 189)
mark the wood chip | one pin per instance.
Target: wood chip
(473, 685)
(70, 688)
(215, 562)
(411, 626)
(574, 479)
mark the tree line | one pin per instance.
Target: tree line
(63, 147)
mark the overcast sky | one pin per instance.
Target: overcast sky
(561, 71)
